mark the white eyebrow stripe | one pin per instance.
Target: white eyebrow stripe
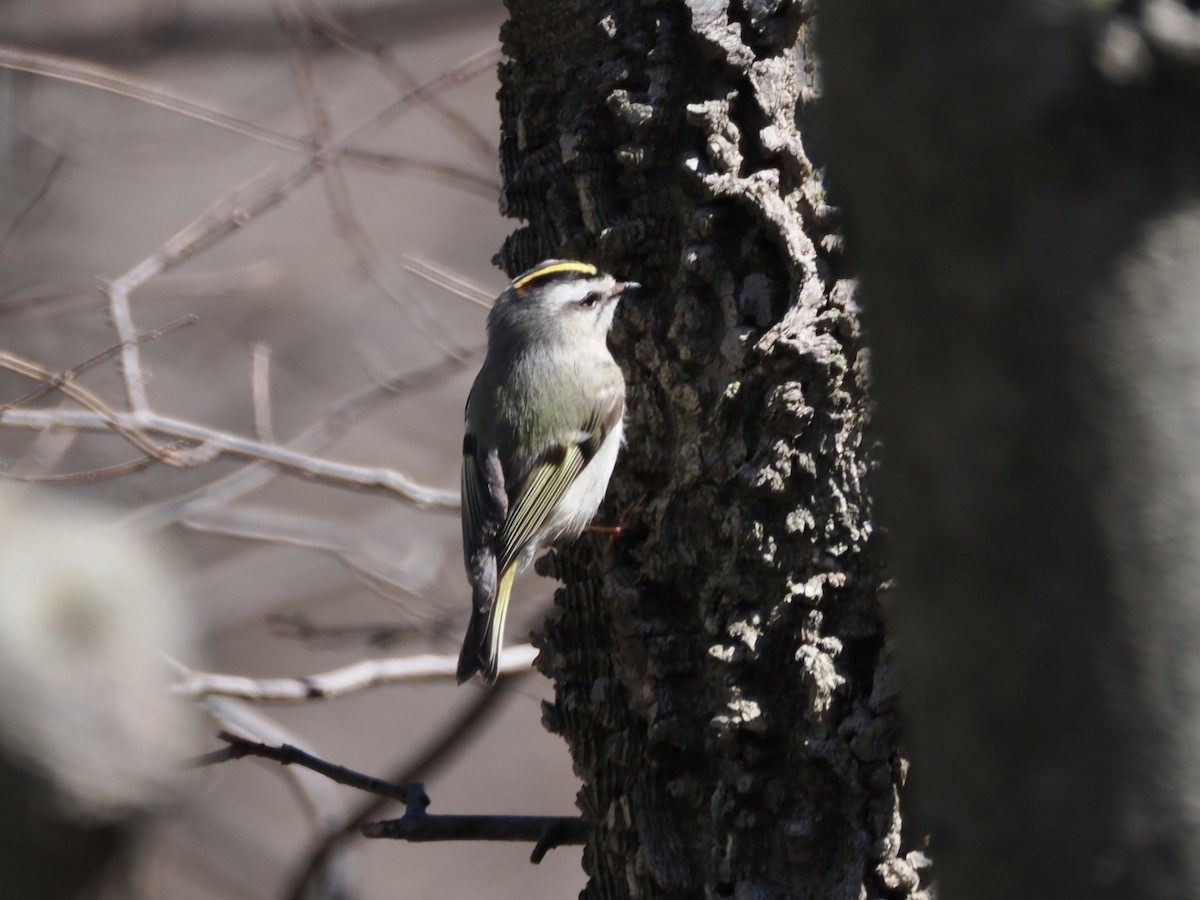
(575, 290)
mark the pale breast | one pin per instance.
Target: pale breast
(584, 496)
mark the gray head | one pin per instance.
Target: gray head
(557, 299)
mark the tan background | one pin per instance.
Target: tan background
(93, 183)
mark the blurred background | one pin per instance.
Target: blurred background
(123, 122)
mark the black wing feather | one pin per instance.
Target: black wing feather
(484, 509)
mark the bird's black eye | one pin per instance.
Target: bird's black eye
(590, 300)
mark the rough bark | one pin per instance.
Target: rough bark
(1025, 183)
(722, 675)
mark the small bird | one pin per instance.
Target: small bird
(543, 427)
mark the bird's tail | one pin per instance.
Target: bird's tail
(485, 634)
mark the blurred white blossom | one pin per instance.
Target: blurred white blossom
(87, 613)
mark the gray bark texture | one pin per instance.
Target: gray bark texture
(1022, 183)
(722, 674)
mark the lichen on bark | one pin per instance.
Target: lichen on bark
(721, 669)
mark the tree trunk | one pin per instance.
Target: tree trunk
(721, 670)
(1025, 183)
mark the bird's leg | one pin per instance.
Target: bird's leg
(607, 530)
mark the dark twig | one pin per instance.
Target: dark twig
(287, 755)
(544, 832)
(432, 757)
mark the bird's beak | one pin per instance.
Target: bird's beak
(627, 286)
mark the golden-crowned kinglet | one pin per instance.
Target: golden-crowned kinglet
(544, 423)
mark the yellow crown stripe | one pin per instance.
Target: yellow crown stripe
(543, 271)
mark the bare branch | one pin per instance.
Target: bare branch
(376, 571)
(544, 832)
(461, 71)
(431, 757)
(75, 371)
(260, 391)
(320, 800)
(43, 297)
(321, 21)
(229, 213)
(38, 196)
(124, 425)
(296, 626)
(289, 755)
(131, 359)
(88, 476)
(123, 84)
(44, 453)
(351, 231)
(215, 444)
(236, 209)
(238, 30)
(447, 282)
(255, 276)
(328, 428)
(340, 682)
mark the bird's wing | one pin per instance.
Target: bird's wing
(551, 473)
(484, 507)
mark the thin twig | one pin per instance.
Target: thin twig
(131, 366)
(332, 424)
(245, 203)
(447, 282)
(90, 476)
(255, 276)
(295, 626)
(122, 84)
(376, 570)
(464, 70)
(319, 797)
(230, 213)
(544, 832)
(340, 682)
(349, 228)
(215, 444)
(48, 298)
(289, 755)
(126, 426)
(431, 758)
(260, 392)
(39, 195)
(321, 21)
(75, 371)
(44, 453)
